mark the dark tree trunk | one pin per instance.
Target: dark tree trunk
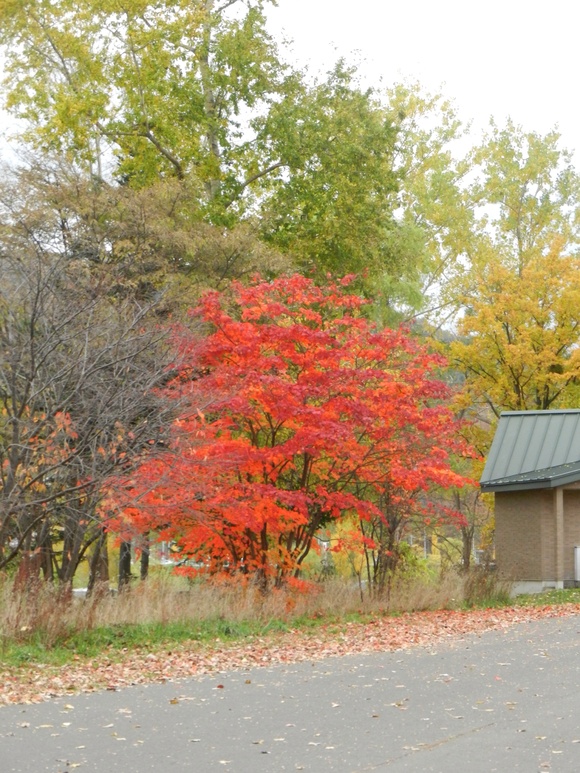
(124, 565)
(145, 553)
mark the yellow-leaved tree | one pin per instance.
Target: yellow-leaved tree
(517, 342)
(520, 329)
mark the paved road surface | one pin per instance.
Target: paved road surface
(504, 701)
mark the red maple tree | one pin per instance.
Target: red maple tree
(294, 411)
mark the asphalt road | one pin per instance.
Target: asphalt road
(502, 701)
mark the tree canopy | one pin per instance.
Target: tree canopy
(173, 148)
(520, 331)
(78, 364)
(201, 93)
(163, 84)
(295, 411)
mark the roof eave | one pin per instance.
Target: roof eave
(514, 485)
(496, 487)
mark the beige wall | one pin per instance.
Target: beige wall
(571, 530)
(525, 534)
(518, 536)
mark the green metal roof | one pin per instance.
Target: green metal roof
(534, 449)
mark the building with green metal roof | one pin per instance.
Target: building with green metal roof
(533, 468)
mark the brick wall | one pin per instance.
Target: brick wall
(518, 532)
(525, 534)
(571, 530)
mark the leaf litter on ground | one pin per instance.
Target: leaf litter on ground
(35, 683)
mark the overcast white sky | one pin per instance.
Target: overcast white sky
(495, 58)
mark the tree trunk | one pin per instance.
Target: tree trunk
(467, 534)
(145, 553)
(44, 544)
(212, 185)
(27, 576)
(99, 564)
(124, 565)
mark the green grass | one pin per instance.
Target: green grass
(550, 597)
(113, 640)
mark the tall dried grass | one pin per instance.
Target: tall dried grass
(56, 615)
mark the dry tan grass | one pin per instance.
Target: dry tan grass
(164, 600)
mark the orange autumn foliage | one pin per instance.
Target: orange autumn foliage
(294, 411)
